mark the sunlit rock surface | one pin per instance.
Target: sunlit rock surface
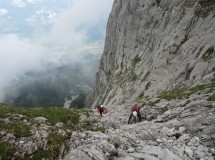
(153, 45)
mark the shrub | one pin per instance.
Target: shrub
(208, 54)
(136, 60)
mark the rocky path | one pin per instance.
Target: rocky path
(164, 137)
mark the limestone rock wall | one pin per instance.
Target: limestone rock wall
(153, 45)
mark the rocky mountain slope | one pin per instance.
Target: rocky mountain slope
(176, 129)
(170, 130)
(159, 54)
(154, 45)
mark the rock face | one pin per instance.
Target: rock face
(159, 53)
(153, 45)
(174, 134)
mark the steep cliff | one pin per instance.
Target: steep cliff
(154, 45)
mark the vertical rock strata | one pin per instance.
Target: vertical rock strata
(154, 45)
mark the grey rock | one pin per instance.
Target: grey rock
(152, 46)
(59, 125)
(131, 150)
(83, 118)
(10, 138)
(41, 120)
(182, 129)
(189, 151)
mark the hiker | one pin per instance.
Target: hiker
(135, 111)
(102, 109)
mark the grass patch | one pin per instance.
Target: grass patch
(136, 60)
(189, 3)
(155, 102)
(6, 150)
(54, 115)
(18, 129)
(212, 98)
(16, 126)
(181, 93)
(140, 98)
(207, 7)
(133, 77)
(88, 125)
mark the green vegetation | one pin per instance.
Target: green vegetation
(87, 125)
(141, 95)
(142, 99)
(53, 148)
(208, 54)
(189, 3)
(6, 150)
(153, 103)
(54, 115)
(187, 102)
(113, 126)
(18, 129)
(212, 98)
(207, 7)
(13, 123)
(180, 93)
(213, 79)
(133, 77)
(136, 60)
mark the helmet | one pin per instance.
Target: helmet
(134, 114)
(102, 106)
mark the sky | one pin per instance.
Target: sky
(36, 33)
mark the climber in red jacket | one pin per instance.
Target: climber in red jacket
(135, 112)
(102, 109)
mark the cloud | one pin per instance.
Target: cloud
(19, 53)
(73, 23)
(3, 11)
(23, 3)
(33, 1)
(41, 18)
(19, 3)
(56, 35)
(17, 56)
